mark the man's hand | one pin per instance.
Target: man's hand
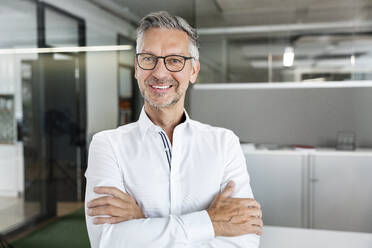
(235, 216)
(118, 205)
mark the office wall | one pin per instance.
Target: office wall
(310, 116)
(363, 115)
(101, 67)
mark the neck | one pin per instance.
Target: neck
(167, 118)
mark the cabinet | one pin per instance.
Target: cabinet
(341, 191)
(277, 183)
(319, 189)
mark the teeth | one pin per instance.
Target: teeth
(161, 87)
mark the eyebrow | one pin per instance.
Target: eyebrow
(172, 53)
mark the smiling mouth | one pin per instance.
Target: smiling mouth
(161, 86)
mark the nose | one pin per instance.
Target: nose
(160, 71)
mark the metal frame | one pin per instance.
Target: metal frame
(42, 6)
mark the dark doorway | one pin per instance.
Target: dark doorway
(64, 134)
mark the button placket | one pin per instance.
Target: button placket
(174, 174)
(168, 153)
(167, 148)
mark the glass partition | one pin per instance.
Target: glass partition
(21, 190)
(42, 112)
(273, 43)
(60, 30)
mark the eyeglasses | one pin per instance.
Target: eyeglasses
(173, 63)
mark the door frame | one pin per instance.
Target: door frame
(80, 96)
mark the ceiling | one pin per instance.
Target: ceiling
(222, 13)
(133, 11)
(269, 12)
(316, 48)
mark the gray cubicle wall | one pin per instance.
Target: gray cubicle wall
(309, 115)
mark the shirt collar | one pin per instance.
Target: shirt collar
(146, 124)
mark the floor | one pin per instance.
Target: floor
(64, 208)
(61, 232)
(14, 211)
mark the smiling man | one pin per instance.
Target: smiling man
(167, 180)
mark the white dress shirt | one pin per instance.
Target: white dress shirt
(172, 184)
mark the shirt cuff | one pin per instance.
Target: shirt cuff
(198, 226)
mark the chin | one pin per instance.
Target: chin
(159, 105)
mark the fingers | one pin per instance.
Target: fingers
(229, 189)
(255, 212)
(249, 220)
(256, 230)
(252, 203)
(235, 216)
(111, 191)
(109, 220)
(253, 228)
(106, 200)
(246, 202)
(107, 210)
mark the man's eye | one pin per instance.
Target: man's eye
(148, 59)
(174, 61)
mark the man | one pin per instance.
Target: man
(166, 180)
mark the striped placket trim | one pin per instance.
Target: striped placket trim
(168, 151)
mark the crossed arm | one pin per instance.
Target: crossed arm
(115, 220)
(229, 216)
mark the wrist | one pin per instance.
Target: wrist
(216, 228)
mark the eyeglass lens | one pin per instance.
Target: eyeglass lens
(172, 62)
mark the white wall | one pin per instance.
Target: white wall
(11, 169)
(310, 116)
(101, 67)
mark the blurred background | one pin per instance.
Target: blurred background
(293, 79)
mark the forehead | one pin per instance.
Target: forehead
(162, 41)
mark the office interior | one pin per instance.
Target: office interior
(293, 79)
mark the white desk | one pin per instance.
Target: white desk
(285, 237)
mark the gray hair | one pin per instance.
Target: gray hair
(163, 19)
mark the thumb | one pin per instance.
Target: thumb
(229, 189)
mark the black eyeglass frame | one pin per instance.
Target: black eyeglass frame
(165, 63)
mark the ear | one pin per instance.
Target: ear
(194, 71)
(135, 68)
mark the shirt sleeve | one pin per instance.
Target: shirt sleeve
(236, 170)
(171, 231)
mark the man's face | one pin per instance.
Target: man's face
(163, 42)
